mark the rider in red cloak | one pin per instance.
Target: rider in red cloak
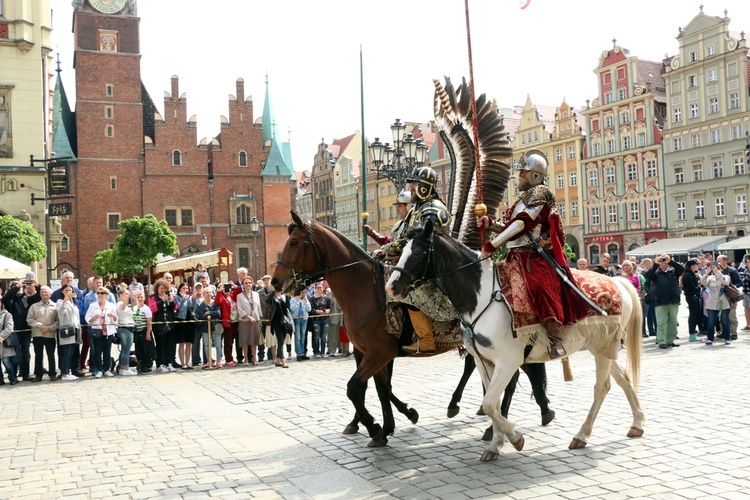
(534, 217)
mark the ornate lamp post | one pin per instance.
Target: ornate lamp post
(255, 230)
(396, 163)
(204, 241)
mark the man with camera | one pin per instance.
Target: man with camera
(665, 288)
(19, 298)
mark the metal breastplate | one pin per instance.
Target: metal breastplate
(526, 239)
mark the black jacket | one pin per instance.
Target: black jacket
(18, 306)
(665, 285)
(691, 286)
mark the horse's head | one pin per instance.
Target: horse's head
(413, 268)
(299, 257)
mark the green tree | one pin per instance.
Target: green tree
(107, 263)
(142, 239)
(20, 241)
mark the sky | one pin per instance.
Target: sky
(310, 50)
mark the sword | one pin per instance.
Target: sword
(561, 272)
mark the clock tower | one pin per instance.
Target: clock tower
(109, 122)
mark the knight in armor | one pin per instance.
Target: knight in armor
(403, 200)
(427, 206)
(534, 218)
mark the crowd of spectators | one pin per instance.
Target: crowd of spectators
(162, 328)
(704, 282)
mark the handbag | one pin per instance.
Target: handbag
(66, 332)
(288, 323)
(12, 340)
(96, 333)
(733, 293)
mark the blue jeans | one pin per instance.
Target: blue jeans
(64, 354)
(11, 367)
(217, 341)
(102, 352)
(713, 315)
(320, 334)
(126, 338)
(300, 325)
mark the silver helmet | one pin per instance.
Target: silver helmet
(535, 161)
(403, 197)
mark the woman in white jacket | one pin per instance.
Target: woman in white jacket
(249, 312)
(102, 319)
(718, 304)
(68, 331)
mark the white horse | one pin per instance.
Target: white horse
(472, 286)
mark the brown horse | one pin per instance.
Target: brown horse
(313, 251)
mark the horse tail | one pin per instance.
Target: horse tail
(632, 329)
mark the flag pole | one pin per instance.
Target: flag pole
(363, 170)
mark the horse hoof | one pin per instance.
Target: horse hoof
(413, 416)
(380, 442)
(351, 429)
(487, 436)
(518, 445)
(577, 444)
(548, 417)
(452, 412)
(489, 456)
(634, 432)
(480, 411)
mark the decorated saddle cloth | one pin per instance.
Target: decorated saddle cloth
(431, 301)
(601, 289)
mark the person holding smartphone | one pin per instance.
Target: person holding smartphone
(665, 287)
(718, 304)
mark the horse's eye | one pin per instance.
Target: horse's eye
(294, 243)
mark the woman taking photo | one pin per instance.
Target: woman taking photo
(125, 328)
(69, 330)
(277, 310)
(248, 309)
(717, 304)
(163, 306)
(691, 286)
(184, 327)
(102, 318)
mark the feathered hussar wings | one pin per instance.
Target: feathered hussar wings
(453, 118)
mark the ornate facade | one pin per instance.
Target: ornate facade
(622, 172)
(705, 132)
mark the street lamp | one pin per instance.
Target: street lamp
(204, 241)
(396, 163)
(254, 231)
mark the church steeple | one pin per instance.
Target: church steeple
(63, 121)
(269, 121)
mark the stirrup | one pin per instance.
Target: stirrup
(556, 348)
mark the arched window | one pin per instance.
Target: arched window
(64, 244)
(242, 159)
(613, 249)
(243, 214)
(176, 158)
(594, 255)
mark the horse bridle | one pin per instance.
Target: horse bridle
(423, 280)
(300, 277)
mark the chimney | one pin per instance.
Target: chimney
(240, 90)
(175, 87)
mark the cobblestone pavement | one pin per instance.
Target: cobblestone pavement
(271, 433)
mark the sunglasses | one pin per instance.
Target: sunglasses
(102, 293)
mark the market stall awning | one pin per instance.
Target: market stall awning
(213, 258)
(678, 246)
(11, 269)
(738, 244)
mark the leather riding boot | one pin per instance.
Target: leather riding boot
(556, 349)
(423, 328)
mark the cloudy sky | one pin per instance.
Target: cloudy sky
(311, 52)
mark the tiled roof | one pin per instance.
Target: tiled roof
(64, 140)
(149, 109)
(275, 164)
